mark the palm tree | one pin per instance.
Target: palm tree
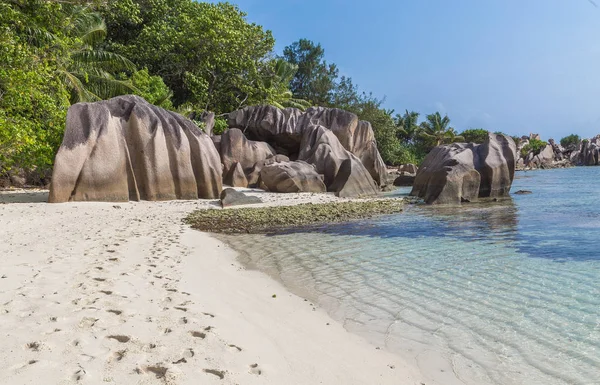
(89, 72)
(435, 130)
(277, 86)
(407, 127)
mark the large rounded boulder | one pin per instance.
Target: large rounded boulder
(127, 149)
(291, 177)
(464, 172)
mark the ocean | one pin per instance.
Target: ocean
(486, 293)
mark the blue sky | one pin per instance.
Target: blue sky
(516, 66)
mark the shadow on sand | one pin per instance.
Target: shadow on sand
(23, 196)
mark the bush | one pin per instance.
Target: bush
(220, 125)
(475, 135)
(570, 140)
(534, 145)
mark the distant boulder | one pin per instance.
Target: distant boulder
(404, 180)
(343, 172)
(464, 172)
(408, 168)
(127, 149)
(291, 177)
(235, 177)
(286, 129)
(236, 148)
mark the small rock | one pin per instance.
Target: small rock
(523, 192)
(231, 197)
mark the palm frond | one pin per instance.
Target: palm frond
(39, 36)
(108, 61)
(79, 93)
(95, 34)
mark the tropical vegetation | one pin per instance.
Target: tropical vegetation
(182, 55)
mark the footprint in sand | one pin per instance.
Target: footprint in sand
(198, 334)
(254, 369)
(188, 353)
(120, 338)
(218, 373)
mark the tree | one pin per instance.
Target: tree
(208, 54)
(152, 88)
(33, 102)
(276, 86)
(475, 135)
(315, 79)
(570, 141)
(86, 71)
(408, 128)
(435, 130)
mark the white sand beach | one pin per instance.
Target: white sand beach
(125, 293)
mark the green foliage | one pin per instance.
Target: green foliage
(208, 54)
(276, 85)
(407, 126)
(571, 140)
(315, 79)
(33, 102)
(435, 130)
(475, 135)
(220, 125)
(152, 88)
(534, 145)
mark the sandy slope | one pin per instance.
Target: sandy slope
(103, 293)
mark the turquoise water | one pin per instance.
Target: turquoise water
(501, 293)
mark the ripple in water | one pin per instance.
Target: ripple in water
(505, 293)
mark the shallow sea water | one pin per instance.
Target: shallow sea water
(496, 293)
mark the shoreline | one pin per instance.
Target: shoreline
(126, 293)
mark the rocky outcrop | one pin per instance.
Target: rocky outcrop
(543, 159)
(270, 124)
(236, 148)
(466, 172)
(285, 130)
(291, 177)
(342, 171)
(408, 168)
(254, 175)
(231, 197)
(235, 177)
(127, 149)
(404, 180)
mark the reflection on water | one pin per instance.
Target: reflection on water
(475, 288)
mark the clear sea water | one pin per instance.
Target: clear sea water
(496, 293)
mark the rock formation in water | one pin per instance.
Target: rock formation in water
(464, 172)
(127, 149)
(326, 138)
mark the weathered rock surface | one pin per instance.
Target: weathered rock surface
(236, 148)
(270, 124)
(544, 158)
(253, 175)
(285, 130)
(231, 197)
(291, 177)
(465, 172)
(127, 149)
(404, 180)
(408, 168)
(343, 172)
(235, 177)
